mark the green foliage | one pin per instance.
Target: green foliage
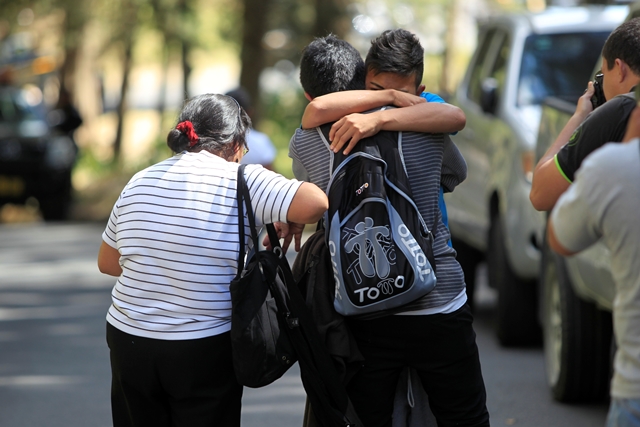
(227, 24)
(89, 164)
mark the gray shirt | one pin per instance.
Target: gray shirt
(423, 157)
(603, 204)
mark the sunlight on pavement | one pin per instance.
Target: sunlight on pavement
(38, 380)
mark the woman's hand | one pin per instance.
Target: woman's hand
(286, 231)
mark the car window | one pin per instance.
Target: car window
(558, 65)
(499, 67)
(13, 108)
(633, 14)
(477, 72)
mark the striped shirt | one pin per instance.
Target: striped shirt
(423, 159)
(175, 225)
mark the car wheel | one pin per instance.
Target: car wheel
(468, 258)
(516, 319)
(577, 337)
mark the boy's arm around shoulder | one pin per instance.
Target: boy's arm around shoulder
(333, 106)
(428, 117)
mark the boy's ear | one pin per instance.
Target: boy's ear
(420, 89)
(309, 97)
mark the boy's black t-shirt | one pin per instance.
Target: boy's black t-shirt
(607, 123)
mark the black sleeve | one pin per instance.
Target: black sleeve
(606, 124)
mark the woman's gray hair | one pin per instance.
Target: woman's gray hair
(210, 122)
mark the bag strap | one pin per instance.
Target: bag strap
(244, 200)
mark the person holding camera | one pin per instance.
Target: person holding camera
(589, 128)
(602, 205)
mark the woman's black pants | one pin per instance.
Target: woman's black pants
(185, 383)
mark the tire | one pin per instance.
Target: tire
(516, 319)
(468, 258)
(577, 337)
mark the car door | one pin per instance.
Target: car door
(468, 205)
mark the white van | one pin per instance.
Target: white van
(520, 60)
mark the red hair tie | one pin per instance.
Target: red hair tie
(186, 127)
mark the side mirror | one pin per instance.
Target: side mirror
(488, 95)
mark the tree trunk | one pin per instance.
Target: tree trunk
(185, 44)
(122, 107)
(252, 53)
(67, 70)
(329, 18)
(186, 67)
(72, 28)
(166, 62)
(449, 44)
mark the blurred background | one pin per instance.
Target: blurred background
(89, 89)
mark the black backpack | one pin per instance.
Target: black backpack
(271, 327)
(381, 249)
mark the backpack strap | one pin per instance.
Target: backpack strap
(432, 238)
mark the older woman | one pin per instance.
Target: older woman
(172, 241)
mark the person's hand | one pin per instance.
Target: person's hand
(404, 99)
(351, 129)
(585, 106)
(633, 125)
(286, 231)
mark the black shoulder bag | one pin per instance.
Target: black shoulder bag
(262, 350)
(271, 327)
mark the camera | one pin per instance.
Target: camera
(598, 96)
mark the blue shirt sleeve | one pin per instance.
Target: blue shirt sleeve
(432, 97)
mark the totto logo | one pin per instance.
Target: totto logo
(362, 188)
(420, 258)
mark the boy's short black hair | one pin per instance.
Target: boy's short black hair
(328, 65)
(624, 43)
(396, 51)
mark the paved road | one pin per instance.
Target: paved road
(54, 368)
